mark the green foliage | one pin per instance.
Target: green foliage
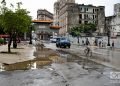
(1, 41)
(23, 20)
(83, 28)
(17, 20)
(75, 31)
(14, 22)
(89, 28)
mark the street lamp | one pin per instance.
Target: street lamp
(30, 34)
(108, 34)
(107, 27)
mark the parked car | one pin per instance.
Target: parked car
(63, 42)
(54, 40)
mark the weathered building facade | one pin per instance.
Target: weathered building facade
(43, 14)
(43, 25)
(113, 22)
(68, 14)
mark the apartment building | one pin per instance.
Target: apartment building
(67, 14)
(113, 22)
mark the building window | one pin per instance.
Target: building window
(97, 9)
(84, 9)
(86, 22)
(87, 9)
(84, 16)
(80, 21)
(87, 16)
(80, 16)
(93, 17)
(93, 11)
(80, 9)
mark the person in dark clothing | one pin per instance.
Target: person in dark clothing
(87, 42)
(113, 45)
(96, 42)
(83, 42)
(99, 43)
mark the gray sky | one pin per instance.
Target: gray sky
(34, 5)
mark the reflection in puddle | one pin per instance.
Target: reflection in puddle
(47, 57)
(43, 58)
(32, 64)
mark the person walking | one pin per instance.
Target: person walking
(99, 44)
(96, 42)
(87, 42)
(113, 45)
(83, 43)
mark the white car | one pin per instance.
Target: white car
(53, 40)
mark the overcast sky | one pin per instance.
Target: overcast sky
(34, 5)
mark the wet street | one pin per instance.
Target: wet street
(53, 67)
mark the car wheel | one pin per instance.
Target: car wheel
(60, 46)
(64, 46)
(68, 46)
(56, 45)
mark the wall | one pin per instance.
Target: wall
(92, 39)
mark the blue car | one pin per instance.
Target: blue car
(63, 42)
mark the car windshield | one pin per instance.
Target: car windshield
(63, 39)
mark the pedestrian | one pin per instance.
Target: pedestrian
(99, 44)
(83, 42)
(102, 44)
(113, 45)
(96, 41)
(87, 42)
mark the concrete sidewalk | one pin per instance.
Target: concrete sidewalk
(103, 56)
(24, 52)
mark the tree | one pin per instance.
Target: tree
(23, 21)
(88, 28)
(75, 31)
(82, 28)
(14, 23)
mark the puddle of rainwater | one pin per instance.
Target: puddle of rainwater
(32, 64)
(36, 63)
(42, 61)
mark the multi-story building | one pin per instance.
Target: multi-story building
(117, 9)
(43, 25)
(113, 22)
(68, 14)
(43, 14)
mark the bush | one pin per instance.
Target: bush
(1, 41)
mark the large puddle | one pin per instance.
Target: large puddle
(43, 58)
(46, 57)
(32, 64)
